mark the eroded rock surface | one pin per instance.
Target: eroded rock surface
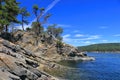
(23, 60)
(46, 49)
(17, 64)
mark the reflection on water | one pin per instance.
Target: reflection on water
(105, 67)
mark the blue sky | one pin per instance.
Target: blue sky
(84, 21)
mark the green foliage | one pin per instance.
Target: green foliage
(35, 7)
(36, 28)
(59, 46)
(35, 10)
(24, 14)
(28, 29)
(37, 24)
(55, 31)
(9, 10)
(41, 16)
(42, 9)
(112, 47)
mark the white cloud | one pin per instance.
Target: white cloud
(104, 41)
(79, 35)
(59, 25)
(63, 25)
(77, 41)
(87, 42)
(20, 26)
(93, 37)
(66, 36)
(117, 35)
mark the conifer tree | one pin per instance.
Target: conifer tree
(9, 10)
(24, 14)
(39, 13)
(55, 31)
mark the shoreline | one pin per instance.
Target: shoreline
(79, 58)
(102, 52)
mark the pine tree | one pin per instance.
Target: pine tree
(9, 10)
(55, 31)
(36, 10)
(40, 11)
(24, 15)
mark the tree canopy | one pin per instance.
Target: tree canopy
(11, 13)
(112, 47)
(55, 31)
(24, 14)
(9, 10)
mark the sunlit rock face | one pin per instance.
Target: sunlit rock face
(22, 59)
(16, 63)
(46, 48)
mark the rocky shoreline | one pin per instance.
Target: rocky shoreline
(16, 64)
(79, 58)
(23, 61)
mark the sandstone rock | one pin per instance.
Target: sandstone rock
(16, 63)
(31, 63)
(4, 75)
(24, 60)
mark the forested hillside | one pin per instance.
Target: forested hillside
(112, 47)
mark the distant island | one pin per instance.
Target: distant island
(103, 47)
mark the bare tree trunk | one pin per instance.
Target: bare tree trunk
(39, 25)
(22, 26)
(6, 28)
(22, 23)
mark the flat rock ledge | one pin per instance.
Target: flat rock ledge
(80, 58)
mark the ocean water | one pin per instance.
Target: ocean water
(105, 67)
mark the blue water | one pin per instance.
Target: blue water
(105, 67)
